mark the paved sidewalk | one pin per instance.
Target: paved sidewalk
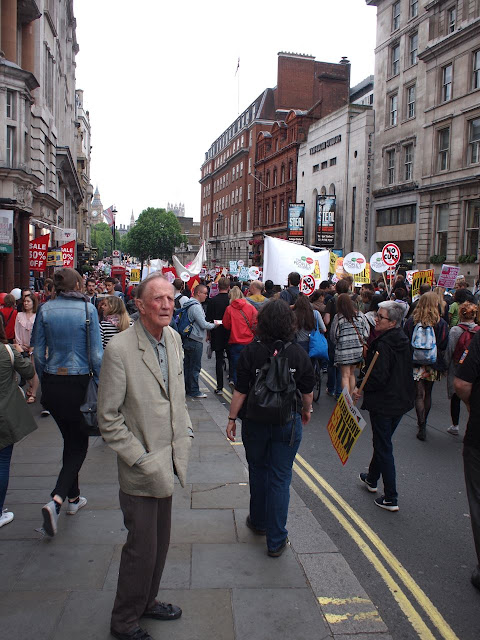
(217, 570)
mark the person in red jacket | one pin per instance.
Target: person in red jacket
(9, 312)
(240, 318)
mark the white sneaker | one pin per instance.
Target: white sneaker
(44, 413)
(6, 517)
(200, 395)
(73, 507)
(453, 430)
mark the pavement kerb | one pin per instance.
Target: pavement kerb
(345, 606)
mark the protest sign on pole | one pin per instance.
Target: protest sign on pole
(333, 262)
(363, 277)
(354, 262)
(448, 276)
(134, 276)
(38, 249)
(68, 254)
(419, 278)
(345, 426)
(377, 263)
(244, 274)
(307, 285)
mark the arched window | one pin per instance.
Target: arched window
(331, 190)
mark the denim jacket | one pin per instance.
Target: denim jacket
(60, 341)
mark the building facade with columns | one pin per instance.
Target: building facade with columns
(427, 143)
(45, 140)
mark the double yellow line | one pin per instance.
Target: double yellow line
(392, 572)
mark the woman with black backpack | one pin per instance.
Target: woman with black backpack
(273, 397)
(459, 340)
(428, 335)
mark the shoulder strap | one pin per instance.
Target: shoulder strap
(87, 322)
(356, 331)
(246, 320)
(10, 353)
(9, 318)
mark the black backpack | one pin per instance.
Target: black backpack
(272, 397)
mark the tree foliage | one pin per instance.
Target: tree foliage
(101, 238)
(155, 235)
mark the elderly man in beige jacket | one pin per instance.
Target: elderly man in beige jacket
(142, 415)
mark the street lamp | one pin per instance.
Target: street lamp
(114, 211)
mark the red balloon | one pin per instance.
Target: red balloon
(2, 297)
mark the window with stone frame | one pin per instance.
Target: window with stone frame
(472, 223)
(442, 229)
(282, 210)
(474, 141)
(447, 75)
(391, 166)
(274, 212)
(10, 147)
(410, 101)
(393, 109)
(451, 21)
(282, 174)
(267, 214)
(395, 59)
(290, 170)
(413, 48)
(395, 16)
(413, 8)
(11, 105)
(275, 176)
(443, 136)
(476, 70)
(408, 162)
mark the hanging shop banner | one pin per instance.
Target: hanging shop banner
(54, 258)
(62, 236)
(345, 426)
(68, 254)
(134, 276)
(377, 263)
(6, 231)
(296, 219)
(354, 262)
(448, 276)
(326, 221)
(419, 278)
(38, 249)
(364, 277)
(281, 257)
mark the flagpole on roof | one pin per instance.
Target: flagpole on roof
(237, 73)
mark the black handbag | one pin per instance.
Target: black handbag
(89, 406)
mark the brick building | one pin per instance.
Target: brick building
(235, 194)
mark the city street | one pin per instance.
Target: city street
(430, 537)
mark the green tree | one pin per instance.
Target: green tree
(101, 238)
(155, 235)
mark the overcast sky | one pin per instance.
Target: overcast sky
(160, 85)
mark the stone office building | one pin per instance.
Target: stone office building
(427, 109)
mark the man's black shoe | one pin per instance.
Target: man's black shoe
(422, 432)
(258, 532)
(218, 391)
(475, 579)
(276, 553)
(136, 634)
(163, 611)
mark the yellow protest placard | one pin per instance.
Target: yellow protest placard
(134, 276)
(364, 276)
(345, 426)
(333, 262)
(419, 278)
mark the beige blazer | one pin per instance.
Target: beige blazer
(136, 417)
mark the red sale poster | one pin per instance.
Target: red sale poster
(38, 249)
(68, 254)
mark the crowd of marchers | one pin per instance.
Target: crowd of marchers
(143, 344)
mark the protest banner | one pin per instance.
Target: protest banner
(281, 257)
(194, 267)
(54, 258)
(333, 262)
(213, 290)
(134, 276)
(244, 274)
(68, 254)
(419, 278)
(448, 276)
(363, 277)
(170, 273)
(38, 249)
(339, 270)
(345, 426)
(233, 267)
(409, 276)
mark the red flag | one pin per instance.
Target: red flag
(68, 254)
(38, 248)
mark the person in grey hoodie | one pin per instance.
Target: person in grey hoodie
(193, 345)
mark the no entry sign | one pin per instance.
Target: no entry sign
(391, 254)
(307, 285)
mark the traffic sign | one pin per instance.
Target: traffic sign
(116, 253)
(391, 254)
(307, 285)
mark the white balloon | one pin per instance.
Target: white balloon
(16, 293)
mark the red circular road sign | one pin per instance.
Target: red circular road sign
(391, 254)
(307, 285)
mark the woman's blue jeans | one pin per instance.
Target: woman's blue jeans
(270, 459)
(5, 458)
(235, 351)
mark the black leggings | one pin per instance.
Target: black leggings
(455, 409)
(423, 399)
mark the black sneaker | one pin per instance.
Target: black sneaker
(389, 505)
(371, 487)
(218, 391)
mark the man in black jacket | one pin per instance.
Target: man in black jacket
(388, 394)
(219, 338)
